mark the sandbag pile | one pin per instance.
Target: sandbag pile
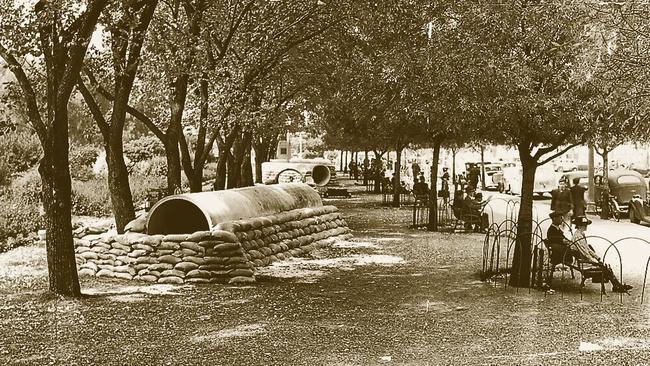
(202, 257)
(292, 233)
(227, 254)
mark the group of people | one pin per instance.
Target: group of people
(421, 188)
(572, 200)
(468, 206)
(565, 200)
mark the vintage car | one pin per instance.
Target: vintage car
(567, 179)
(622, 184)
(493, 175)
(314, 171)
(566, 165)
(511, 175)
(545, 181)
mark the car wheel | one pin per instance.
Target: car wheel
(559, 169)
(574, 169)
(500, 188)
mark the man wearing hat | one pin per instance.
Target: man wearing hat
(555, 236)
(586, 253)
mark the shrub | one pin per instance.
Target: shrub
(82, 159)
(28, 186)
(5, 172)
(156, 166)
(143, 148)
(210, 171)
(19, 151)
(91, 198)
(143, 185)
(19, 217)
(84, 155)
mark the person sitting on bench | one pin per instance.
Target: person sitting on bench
(585, 253)
(421, 189)
(474, 204)
(557, 242)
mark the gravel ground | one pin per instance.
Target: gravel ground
(390, 296)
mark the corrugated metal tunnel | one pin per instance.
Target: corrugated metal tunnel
(192, 212)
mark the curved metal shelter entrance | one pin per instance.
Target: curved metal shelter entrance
(191, 212)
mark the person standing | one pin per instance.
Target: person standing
(415, 168)
(473, 177)
(578, 198)
(421, 189)
(561, 200)
(444, 192)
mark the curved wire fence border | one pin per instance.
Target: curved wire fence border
(504, 234)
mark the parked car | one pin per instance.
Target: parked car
(566, 165)
(493, 175)
(622, 184)
(567, 178)
(545, 181)
(511, 175)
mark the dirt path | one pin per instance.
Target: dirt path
(390, 296)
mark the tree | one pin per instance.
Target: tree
(127, 24)
(56, 38)
(533, 95)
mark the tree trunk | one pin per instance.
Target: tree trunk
(482, 168)
(605, 199)
(56, 193)
(173, 164)
(222, 163)
(234, 169)
(453, 170)
(341, 162)
(397, 186)
(433, 193)
(223, 168)
(196, 181)
(118, 183)
(236, 160)
(521, 262)
(365, 168)
(246, 169)
(261, 148)
(174, 131)
(194, 170)
(378, 173)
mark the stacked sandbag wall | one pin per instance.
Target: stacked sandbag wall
(201, 257)
(227, 254)
(287, 234)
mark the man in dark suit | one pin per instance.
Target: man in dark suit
(559, 244)
(578, 198)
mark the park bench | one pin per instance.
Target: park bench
(466, 219)
(556, 257)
